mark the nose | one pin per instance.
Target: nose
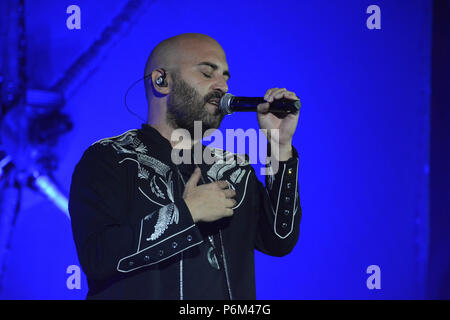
(220, 84)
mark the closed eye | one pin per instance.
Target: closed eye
(212, 67)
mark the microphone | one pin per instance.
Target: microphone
(230, 103)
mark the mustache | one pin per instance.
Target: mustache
(213, 95)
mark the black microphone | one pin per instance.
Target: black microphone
(229, 104)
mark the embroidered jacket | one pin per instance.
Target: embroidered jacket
(133, 230)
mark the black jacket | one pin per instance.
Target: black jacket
(136, 238)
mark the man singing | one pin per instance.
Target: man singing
(147, 228)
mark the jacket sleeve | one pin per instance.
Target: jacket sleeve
(110, 240)
(280, 211)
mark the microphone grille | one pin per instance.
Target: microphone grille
(225, 103)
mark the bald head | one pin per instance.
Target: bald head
(174, 51)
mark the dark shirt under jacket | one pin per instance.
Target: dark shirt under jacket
(136, 238)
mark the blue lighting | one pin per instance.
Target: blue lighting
(48, 188)
(362, 136)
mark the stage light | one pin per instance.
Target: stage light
(29, 133)
(49, 188)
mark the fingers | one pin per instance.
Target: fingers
(263, 107)
(222, 184)
(274, 94)
(193, 180)
(277, 93)
(229, 193)
(230, 203)
(292, 95)
(271, 93)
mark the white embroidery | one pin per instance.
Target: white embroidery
(155, 189)
(166, 216)
(123, 142)
(142, 173)
(150, 199)
(159, 167)
(141, 148)
(129, 143)
(149, 216)
(228, 157)
(170, 192)
(237, 175)
(225, 161)
(169, 186)
(245, 191)
(219, 168)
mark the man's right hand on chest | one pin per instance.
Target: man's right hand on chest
(208, 202)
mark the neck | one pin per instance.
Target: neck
(156, 118)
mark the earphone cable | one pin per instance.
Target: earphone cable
(126, 96)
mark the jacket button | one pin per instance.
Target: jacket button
(290, 170)
(174, 244)
(286, 212)
(287, 199)
(146, 258)
(189, 238)
(288, 185)
(284, 225)
(160, 252)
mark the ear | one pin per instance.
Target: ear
(164, 90)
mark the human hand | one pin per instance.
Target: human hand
(208, 202)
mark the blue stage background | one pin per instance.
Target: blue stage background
(362, 135)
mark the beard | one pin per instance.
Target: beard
(185, 105)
